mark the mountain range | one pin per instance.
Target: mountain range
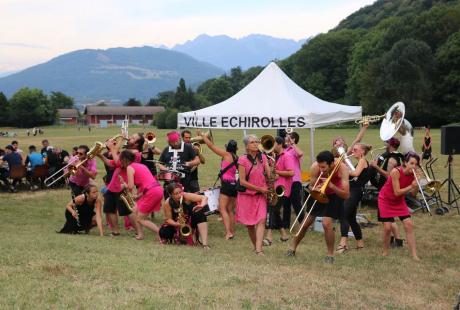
(226, 52)
(115, 74)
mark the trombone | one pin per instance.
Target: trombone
(303, 207)
(71, 168)
(427, 206)
(320, 195)
(430, 186)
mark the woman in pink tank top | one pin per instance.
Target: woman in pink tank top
(149, 191)
(228, 193)
(392, 203)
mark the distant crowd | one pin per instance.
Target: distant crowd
(33, 167)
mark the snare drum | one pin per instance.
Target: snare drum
(213, 200)
(168, 176)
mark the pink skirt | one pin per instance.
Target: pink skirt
(150, 201)
(250, 209)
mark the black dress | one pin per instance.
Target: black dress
(427, 152)
(85, 218)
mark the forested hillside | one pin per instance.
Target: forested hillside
(399, 50)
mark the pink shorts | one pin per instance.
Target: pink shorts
(150, 201)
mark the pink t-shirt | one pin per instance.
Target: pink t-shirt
(297, 164)
(285, 162)
(114, 186)
(229, 175)
(80, 178)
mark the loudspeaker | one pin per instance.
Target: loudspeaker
(450, 139)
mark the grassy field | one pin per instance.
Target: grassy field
(42, 269)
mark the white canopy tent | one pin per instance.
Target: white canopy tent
(271, 101)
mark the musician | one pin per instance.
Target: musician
(380, 171)
(284, 172)
(179, 157)
(347, 216)
(227, 176)
(148, 157)
(340, 141)
(406, 130)
(85, 172)
(392, 203)
(292, 139)
(192, 206)
(149, 191)
(83, 212)
(251, 207)
(194, 185)
(113, 205)
(337, 191)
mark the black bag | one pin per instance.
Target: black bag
(238, 186)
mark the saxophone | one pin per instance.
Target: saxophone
(272, 196)
(185, 229)
(127, 199)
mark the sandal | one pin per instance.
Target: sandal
(360, 247)
(267, 242)
(138, 238)
(284, 239)
(206, 247)
(229, 237)
(114, 234)
(260, 253)
(341, 249)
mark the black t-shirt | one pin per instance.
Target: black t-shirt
(63, 155)
(148, 161)
(184, 154)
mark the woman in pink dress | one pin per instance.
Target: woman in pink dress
(392, 203)
(251, 208)
(149, 190)
(227, 175)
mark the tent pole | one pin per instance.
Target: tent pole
(312, 145)
(245, 133)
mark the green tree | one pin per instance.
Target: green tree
(219, 90)
(447, 91)
(61, 101)
(132, 102)
(31, 107)
(181, 97)
(4, 110)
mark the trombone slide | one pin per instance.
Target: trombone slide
(421, 192)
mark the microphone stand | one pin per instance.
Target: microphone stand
(453, 193)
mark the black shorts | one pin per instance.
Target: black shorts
(330, 209)
(392, 219)
(228, 189)
(113, 203)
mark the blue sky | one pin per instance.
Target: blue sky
(33, 31)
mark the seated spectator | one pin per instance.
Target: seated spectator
(33, 159)
(15, 145)
(13, 159)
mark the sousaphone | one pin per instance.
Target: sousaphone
(394, 118)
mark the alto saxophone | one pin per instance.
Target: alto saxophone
(184, 229)
(272, 197)
(127, 199)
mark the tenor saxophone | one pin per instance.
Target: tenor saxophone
(127, 199)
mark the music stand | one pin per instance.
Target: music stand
(453, 193)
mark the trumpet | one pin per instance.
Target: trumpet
(151, 138)
(289, 130)
(368, 119)
(303, 207)
(198, 140)
(71, 168)
(377, 149)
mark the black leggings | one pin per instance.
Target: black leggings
(348, 214)
(296, 199)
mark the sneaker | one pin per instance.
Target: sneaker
(329, 260)
(290, 253)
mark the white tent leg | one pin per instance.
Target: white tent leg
(245, 133)
(312, 145)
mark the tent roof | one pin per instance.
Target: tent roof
(274, 96)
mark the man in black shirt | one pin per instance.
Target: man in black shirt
(179, 157)
(194, 185)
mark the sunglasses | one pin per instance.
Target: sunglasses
(80, 153)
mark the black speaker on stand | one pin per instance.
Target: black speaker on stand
(450, 145)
